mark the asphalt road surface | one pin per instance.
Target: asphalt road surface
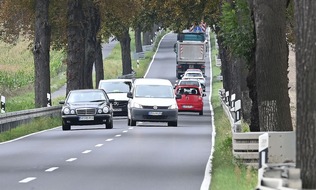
(150, 156)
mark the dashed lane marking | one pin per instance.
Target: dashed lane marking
(86, 151)
(118, 135)
(98, 145)
(71, 159)
(28, 179)
(51, 169)
(108, 140)
(131, 128)
(125, 131)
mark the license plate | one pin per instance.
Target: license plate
(117, 109)
(86, 118)
(185, 106)
(154, 113)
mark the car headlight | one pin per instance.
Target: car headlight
(106, 109)
(66, 111)
(137, 105)
(173, 106)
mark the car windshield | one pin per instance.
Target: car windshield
(188, 90)
(88, 96)
(116, 87)
(154, 91)
(188, 75)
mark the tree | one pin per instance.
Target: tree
(306, 90)
(271, 65)
(41, 53)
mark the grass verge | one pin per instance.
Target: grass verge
(226, 172)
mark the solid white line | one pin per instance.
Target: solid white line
(125, 131)
(51, 169)
(118, 135)
(86, 151)
(28, 179)
(71, 159)
(98, 145)
(108, 140)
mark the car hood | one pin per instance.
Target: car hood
(85, 104)
(118, 96)
(155, 101)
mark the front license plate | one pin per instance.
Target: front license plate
(154, 113)
(117, 109)
(185, 106)
(86, 118)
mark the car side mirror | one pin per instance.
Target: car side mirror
(111, 101)
(203, 94)
(178, 96)
(62, 102)
(130, 95)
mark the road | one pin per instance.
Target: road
(150, 156)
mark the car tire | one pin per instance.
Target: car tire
(201, 112)
(128, 122)
(133, 122)
(173, 123)
(109, 124)
(66, 127)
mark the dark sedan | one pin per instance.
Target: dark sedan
(87, 107)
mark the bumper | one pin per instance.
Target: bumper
(158, 115)
(190, 107)
(84, 120)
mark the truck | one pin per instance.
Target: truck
(190, 49)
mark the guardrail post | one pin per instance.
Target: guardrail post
(237, 110)
(263, 154)
(227, 98)
(2, 104)
(232, 101)
(49, 100)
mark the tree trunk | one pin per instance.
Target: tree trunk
(76, 44)
(91, 28)
(125, 42)
(306, 91)
(272, 65)
(41, 54)
(99, 70)
(147, 38)
(138, 39)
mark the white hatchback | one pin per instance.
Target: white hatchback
(152, 100)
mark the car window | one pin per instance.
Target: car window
(86, 97)
(116, 87)
(188, 91)
(193, 75)
(195, 83)
(154, 91)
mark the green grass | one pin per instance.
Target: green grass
(227, 173)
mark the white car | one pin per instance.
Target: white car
(117, 89)
(195, 74)
(152, 100)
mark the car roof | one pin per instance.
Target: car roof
(87, 90)
(152, 81)
(187, 86)
(116, 80)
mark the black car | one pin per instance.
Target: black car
(87, 107)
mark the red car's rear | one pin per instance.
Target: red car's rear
(191, 99)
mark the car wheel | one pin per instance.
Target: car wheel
(66, 127)
(201, 112)
(133, 122)
(128, 122)
(173, 123)
(109, 124)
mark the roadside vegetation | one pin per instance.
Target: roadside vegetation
(227, 173)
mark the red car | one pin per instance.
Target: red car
(191, 99)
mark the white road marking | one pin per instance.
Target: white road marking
(131, 128)
(28, 179)
(118, 135)
(98, 145)
(51, 169)
(125, 131)
(71, 159)
(108, 140)
(86, 151)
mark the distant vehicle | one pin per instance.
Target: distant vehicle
(195, 75)
(194, 82)
(87, 107)
(117, 89)
(152, 100)
(191, 99)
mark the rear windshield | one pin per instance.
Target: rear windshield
(116, 87)
(154, 91)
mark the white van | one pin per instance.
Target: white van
(152, 100)
(117, 89)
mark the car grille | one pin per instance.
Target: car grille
(156, 107)
(120, 104)
(86, 111)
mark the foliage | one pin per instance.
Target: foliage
(237, 28)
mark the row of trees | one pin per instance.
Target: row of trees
(253, 37)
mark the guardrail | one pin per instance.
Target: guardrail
(12, 120)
